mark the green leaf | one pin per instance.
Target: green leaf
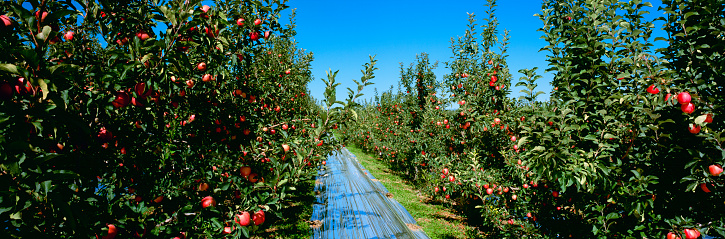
(10, 68)
(282, 182)
(46, 32)
(700, 119)
(43, 86)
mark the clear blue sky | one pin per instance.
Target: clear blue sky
(342, 34)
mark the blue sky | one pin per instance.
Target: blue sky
(342, 34)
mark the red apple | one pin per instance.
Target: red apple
(254, 36)
(142, 35)
(258, 217)
(6, 91)
(692, 233)
(203, 186)
(208, 201)
(104, 135)
(694, 128)
(6, 21)
(207, 78)
(111, 233)
(684, 98)
(122, 99)
(140, 89)
(242, 219)
(158, 199)
(23, 87)
(253, 178)
(68, 35)
(40, 16)
(245, 171)
(687, 108)
(201, 66)
(715, 170)
(122, 41)
(708, 118)
(137, 102)
(652, 89)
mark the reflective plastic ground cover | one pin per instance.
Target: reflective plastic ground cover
(351, 204)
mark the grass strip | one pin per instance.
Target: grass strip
(296, 215)
(435, 218)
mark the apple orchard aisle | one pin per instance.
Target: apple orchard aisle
(350, 204)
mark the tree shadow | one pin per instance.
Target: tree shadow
(297, 208)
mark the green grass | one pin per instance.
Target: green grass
(437, 220)
(296, 215)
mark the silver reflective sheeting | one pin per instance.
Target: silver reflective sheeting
(351, 205)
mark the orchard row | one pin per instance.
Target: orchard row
(154, 120)
(628, 146)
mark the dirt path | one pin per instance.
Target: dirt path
(352, 204)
